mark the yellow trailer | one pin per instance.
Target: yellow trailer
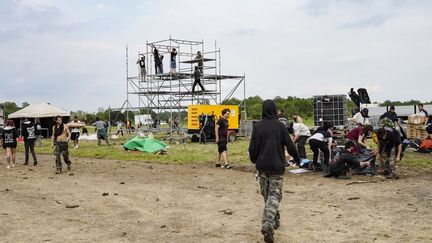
(215, 111)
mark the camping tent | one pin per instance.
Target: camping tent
(42, 110)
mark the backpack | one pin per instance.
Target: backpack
(426, 143)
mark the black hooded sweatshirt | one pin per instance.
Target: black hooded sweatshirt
(268, 142)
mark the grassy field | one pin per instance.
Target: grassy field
(188, 153)
(177, 153)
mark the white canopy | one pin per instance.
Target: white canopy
(39, 110)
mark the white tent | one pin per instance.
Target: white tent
(40, 110)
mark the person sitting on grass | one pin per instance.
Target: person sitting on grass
(101, 131)
(343, 161)
(358, 137)
(221, 132)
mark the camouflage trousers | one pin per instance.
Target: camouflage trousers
(61, 149)
(271, 190)
(388, 161)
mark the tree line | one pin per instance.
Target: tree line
(290, 104)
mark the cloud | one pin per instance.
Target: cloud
(373, 21)
(72, 53)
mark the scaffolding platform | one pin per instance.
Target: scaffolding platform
(199, 60)
(172, 92)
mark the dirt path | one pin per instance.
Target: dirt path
(198, 203)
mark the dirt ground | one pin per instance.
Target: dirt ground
(198, 203)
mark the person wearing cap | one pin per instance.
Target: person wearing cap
(423, 112)
(361, 117)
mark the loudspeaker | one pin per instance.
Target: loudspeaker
(363, 96)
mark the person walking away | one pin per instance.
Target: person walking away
(200, 59)
(29, 130)
(197, 77)
(343, 161)
(221, 132)
(75, 133)
(423, 112)
(358, 136)
(267, 152)
(120, 128)
(301, 135)
(321, 140)
(142, 66)
(173, 64)
(101, 131)
(9, 140)
(60, 140)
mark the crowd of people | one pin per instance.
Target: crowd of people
(274, 137)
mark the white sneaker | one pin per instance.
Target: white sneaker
(7, 166)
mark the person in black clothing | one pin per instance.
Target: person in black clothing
(157, 60)
(282, 118)
(200, 58)
(267, 151)
(221, 133)
(390, 151)
(197, 76)
(391, 114)
(29, 133)
(9, 140)
(141, 63)
(343, 161)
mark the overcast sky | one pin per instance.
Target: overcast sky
(72, 52)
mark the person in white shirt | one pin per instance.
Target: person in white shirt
(301, 135)
(75, 133)
(321, 140)
(361, 117)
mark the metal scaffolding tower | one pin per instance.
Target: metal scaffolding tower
(172, 91)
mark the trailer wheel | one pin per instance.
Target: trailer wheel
(232, 137)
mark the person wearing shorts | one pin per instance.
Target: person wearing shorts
(75, 133)
(221, 132)
(9, 138)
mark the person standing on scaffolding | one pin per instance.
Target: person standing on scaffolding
(197, 76)
(141, 63)
(157, 60)
(173, 64)
(200, 58)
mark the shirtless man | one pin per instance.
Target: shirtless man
(60, 140)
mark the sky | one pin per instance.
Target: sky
(72, 53)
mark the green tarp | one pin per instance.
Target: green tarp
(149, 145)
